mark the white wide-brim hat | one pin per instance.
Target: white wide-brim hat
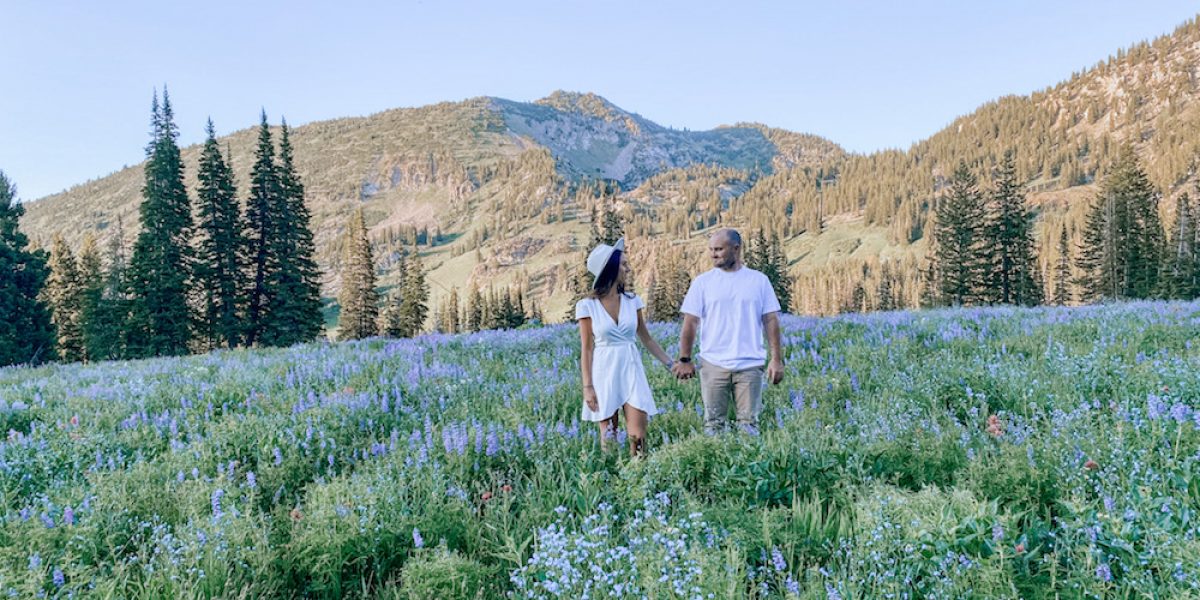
(599, 258)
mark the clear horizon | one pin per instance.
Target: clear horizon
(867, 76)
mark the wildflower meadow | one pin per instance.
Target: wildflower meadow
(973, 453)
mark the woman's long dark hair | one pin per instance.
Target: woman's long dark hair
(608, 276)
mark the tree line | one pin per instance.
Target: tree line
(202, 273)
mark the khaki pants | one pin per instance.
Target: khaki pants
(718, 385)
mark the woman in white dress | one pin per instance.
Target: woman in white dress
(610, 323)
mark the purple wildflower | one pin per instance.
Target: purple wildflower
(777, 560)
(216, 502)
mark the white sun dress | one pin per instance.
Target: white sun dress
(617, 371)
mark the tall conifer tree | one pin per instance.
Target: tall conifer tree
(160, 269)
(262, 235)
(1062, 271)
(296, 305)
(26, 333)
(1122, 251)
(91, 278)
(220, 260)
(358, 298)
(64, 295)
(960, 256)
(1012, 259)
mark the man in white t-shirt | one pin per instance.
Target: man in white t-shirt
(735, 304)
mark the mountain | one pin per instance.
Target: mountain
(441, 168)
(501, 192)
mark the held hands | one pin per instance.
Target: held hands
(775, 371)
(683, 370)
(589, 398)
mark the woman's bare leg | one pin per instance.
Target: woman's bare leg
(635, 426)
(608, 430)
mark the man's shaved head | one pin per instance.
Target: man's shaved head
(725, 249)
(728, 234)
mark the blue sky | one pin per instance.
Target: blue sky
(77, 77)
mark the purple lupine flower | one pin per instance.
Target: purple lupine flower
(1103, 573)
(35, 561)
(493, 444)
(418, 541)
(997, 532)
(1155, 407)
(180, 477)
(278, 456)
(792, 586)
(59, 579)
(777, 560)
(216, 502)
(48, 521)
(69, 515)
(330, 460)
(1108, 504)
(251, 480)
(1181, 412)
(797, 398)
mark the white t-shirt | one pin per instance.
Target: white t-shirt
(731, 306)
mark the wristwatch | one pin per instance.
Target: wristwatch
(685, 359)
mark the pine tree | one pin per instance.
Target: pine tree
(220, 254)
(671, 282)
(107, 331)
(614, 229)
(1148, 249)
(159, 271)
(756, 256)
(534, 311)
(415, 293)
(64, 296)
(1062, 271)
(391, 319)
(451, 324)
(91, 278)
(262, 237)
(781, 281)
(657, 310)
(26, 333)
(295, 305)
(473, 317)
(1100, 263)
(358, 298)
(961, 253)
(1010, 246)
(887, 294)
(1122, 250)
(1178, 281)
